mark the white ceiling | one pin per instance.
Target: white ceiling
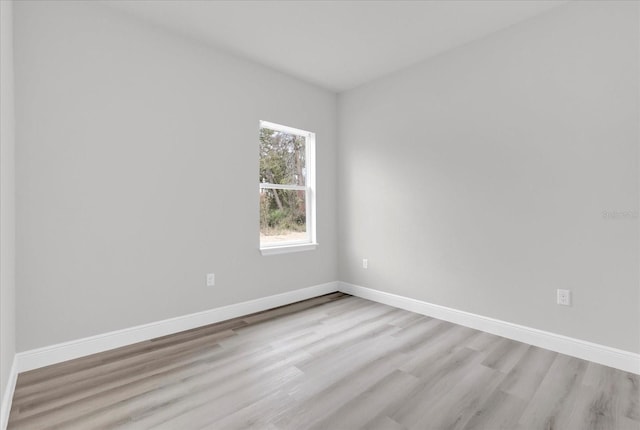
(336, 44)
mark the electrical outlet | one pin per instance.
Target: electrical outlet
(365, 263)
(211, 279)
(564, 297)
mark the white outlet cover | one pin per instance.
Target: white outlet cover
(211, 279)
(564, 297)
(365, 263)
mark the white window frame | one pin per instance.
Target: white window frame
(309, 243)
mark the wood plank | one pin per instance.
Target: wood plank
(501, 411)
(554, 400)
(334, 361)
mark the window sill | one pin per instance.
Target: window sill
(285, 249)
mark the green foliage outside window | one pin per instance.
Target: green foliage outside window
(282, 162)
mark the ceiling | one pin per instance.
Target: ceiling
(336, 44)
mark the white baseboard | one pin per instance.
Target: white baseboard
(7, 397)
(36, 358)
(617, 358)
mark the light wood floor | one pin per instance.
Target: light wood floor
(334, 362)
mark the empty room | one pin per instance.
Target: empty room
(340, 215)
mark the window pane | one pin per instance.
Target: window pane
(282, 158)
(282, 216)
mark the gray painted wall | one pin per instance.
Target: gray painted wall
(478, 180)
(7, 196)
(137, 174)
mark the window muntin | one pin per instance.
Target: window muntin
(286, 184)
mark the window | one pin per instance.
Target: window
(287, 189)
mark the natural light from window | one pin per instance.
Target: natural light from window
(286, 184)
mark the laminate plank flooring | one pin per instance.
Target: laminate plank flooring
(332, 362)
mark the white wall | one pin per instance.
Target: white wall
(137, 174)
(7, 197)
(478, 180)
